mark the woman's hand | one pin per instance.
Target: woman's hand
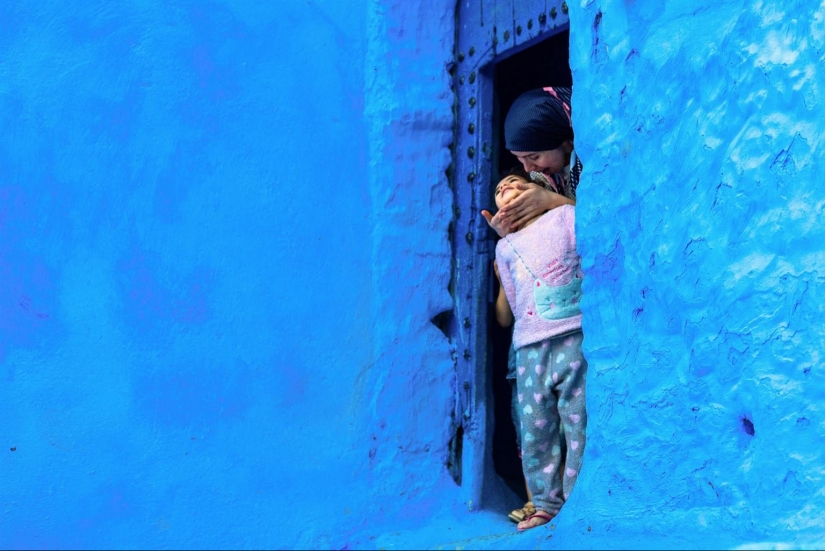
(533, 201)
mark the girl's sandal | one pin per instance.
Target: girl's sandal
(519, 515)
(537, 514)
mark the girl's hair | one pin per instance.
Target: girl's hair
(530, 177)
(520, 172)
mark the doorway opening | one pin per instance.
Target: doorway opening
(503, 48)
(543, 64)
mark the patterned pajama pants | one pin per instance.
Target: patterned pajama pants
(551, 379)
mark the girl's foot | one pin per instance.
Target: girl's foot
(536, 519)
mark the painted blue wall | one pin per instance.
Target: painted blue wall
(223, 234)
(202, 235)
(700, 228)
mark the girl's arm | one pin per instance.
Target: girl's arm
(504, 315)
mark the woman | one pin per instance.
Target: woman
(538, 130)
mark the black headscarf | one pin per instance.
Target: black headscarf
(539, 120)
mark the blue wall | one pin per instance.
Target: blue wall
(223, 234)
(700, 227)
(201, 234)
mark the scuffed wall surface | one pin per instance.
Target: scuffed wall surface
(408, 391)
(223, 233)
(699, 221)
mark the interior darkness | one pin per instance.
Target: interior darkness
(545, 64)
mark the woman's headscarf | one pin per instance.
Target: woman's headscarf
(539, 120)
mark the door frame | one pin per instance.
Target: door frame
(488, 31)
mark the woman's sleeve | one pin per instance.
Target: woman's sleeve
(573, 183)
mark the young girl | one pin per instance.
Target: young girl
(541, 276)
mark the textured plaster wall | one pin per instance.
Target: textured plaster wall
(700, 225)
(223, 233)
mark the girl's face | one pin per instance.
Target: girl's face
(546, 162)
(506, 191)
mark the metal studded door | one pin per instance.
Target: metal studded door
(489, 31)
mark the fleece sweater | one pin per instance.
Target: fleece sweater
(542, 254)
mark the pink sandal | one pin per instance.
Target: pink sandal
(539, 514)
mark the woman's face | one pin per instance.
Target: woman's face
(546, 162)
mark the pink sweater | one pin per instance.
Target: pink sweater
(541, 274)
